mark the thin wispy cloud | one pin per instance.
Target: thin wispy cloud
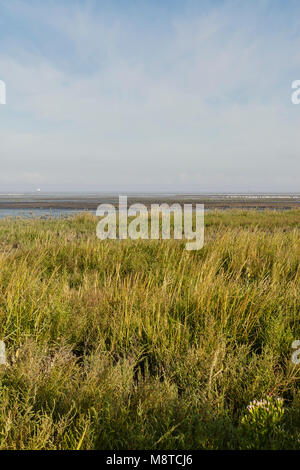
(190, 96)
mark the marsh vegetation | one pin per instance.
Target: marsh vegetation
(144, 345)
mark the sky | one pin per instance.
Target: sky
(179, 95)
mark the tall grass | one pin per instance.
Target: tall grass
(142, 344)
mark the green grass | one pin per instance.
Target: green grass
(144, 345)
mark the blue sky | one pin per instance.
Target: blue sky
(187, 95)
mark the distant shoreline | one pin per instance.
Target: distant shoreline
(84, 202)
